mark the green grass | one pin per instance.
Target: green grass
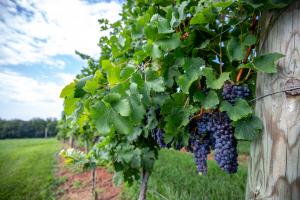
(175, 178)
(243, 147)
(27, 168)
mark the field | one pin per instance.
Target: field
(27, 172)
(27, 168)
(175, 178)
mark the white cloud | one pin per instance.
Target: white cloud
(59, 64)
(30, 98)
(36, 31)
(67, 78)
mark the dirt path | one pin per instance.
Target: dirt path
(78, 186)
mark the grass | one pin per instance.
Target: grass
(27, 168)
(243, 147)
(175, 178)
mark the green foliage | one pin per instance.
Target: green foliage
(163, 63)
(239, 110)
(34, 128)
(268, 4)
(175, 177)
(266, 63)
(249, 128)
(26, 169)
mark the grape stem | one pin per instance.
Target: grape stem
(245, 60)
(198, 115)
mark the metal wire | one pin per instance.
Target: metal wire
(263, 96)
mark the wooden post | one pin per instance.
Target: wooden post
(46, 132)
(274, 165)
(144, 185)
(71, 141)
(94, 192)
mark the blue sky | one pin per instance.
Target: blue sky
(37, 44)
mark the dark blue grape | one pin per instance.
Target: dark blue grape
(232, 92)
(215, 132)
(158, 136)
(201, 149)
(225, 144)
(205, 123)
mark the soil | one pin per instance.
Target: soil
(78, 185)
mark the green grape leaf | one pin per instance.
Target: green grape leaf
(200, 18)
(199, 96)
(180, 10)
(148, 158)
(211, 80)
(206, 15)
(68, 90)
(156, 52)
(136, 159)
(164, 26)
(122, 107)
(91, 86)
(70, 105)
(249, 40)
(211, 100)
(79, 91)
(118, 178)
(222, 4)
(235, 49)
(169, 43)
(248, 129)
(266, 63)
(112, 97)
(176, 111)
(268, 4)
(112, 71)
(101, 116)
(121, 124)
(135, 100)
(163, 2)
(156, 85)
(192, 67)
(237, 111)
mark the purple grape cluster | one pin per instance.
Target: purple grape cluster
(201, 150)
(205, 123)
(158, 136)
(231, 92)
(214, 132)
(225, 144)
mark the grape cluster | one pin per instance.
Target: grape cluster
(214, 132)
(225, 144)
(201, 150)
(232, 92)
(158, 136)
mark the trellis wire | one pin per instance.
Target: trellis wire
(263, 96)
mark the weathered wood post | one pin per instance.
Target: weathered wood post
(274, 165)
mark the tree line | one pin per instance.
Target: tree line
(34, 128)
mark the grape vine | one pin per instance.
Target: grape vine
(172, 74)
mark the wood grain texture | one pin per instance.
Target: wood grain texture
(274, 165)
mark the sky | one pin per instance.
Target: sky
(38, 39)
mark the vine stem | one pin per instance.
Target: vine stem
(144, 184)
(245, 60)
(248, 74)
(238, 77)
(198, 115)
